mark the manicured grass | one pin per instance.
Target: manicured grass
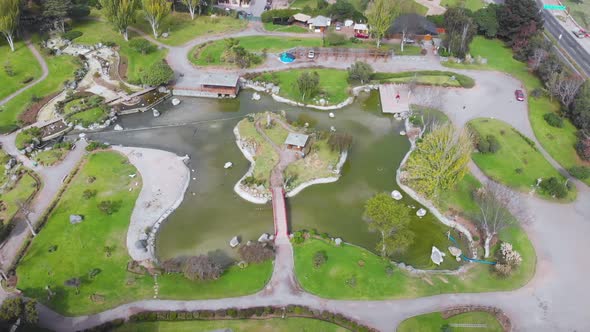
(408, 49)
(558, 142)
(98, 31)
(90, 116)
(580, 10)
(80, 248)
(333, 84)
(318, 163)
(284, 28)
(516, 164)
(300, 4)
(291, 324)
(427, 80)
(333, 279)
(461, 197)
(213, 51)
(430, 77)
(61, 68)
(21, 191)
(182, 29)
(51, 157)
(266, 158)
(469, 4)
(23, 64)
(435, 322)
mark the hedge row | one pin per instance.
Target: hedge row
(465, 81)
(238, 313)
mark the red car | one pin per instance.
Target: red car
(519, 95)
(361, 35)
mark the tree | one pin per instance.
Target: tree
(498, 208)
(535, 60)
(439, 160)
(460, 31)
(11, 309)
(57, 10)
(108, 207)
(579, 111)
(308, 84)
(508, 259)
(340, 141)
(342, 10)
(31, 314)
(9, 18)
(380, 15)
(141, 45)
(192, 5)
(155, 11)
(157, 74)
(564, 86)
(202, 268)
(256, 253)
(360, 71)
(391, 220)
(583, 146)
(514, 15)
(319, 258)
(487, 20)
(121, 13)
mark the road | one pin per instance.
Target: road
(568, 41)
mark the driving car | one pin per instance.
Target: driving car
(311, 55)
(519, 95)
(580, 33)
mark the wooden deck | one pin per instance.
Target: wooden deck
(389, 103)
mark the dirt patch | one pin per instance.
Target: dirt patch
(122, 70)
(29, 116)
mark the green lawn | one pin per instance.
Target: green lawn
(469, 4)
(516, 164)
(21, 191)
(80, 248)
(210, 54)
(98, 31)
(300, 4)
(333, 84)
(428, 77)
(408, 49)
(182, 29)
(61, 68)
(284, 28)
(51, 157)
(558, 142)
(90, 116)
(435, 322)
(290, 324)
(266, 158)
(333, 279)
(24, 66)
(580, 10)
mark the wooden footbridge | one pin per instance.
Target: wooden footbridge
(279, 211)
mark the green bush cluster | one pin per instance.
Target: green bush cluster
(283, 14)
(554, 187)
(580, 172)
(94, 145)
(553, 120)
(335, 39)
(488, 144)
(526, 139)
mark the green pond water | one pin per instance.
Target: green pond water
(211, 213)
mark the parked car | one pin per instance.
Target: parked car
(409, 41)
(338, 26)
(580, 33)
(361, 35)
(311, 55)
(519, 95)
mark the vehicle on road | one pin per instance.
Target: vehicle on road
(519, 95)
(361, 35)
(580, 33)
(311, 55)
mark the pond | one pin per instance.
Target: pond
(211, 213)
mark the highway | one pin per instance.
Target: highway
(568, 42)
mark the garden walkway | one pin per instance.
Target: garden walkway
(44, 68)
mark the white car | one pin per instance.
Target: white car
(311, 55)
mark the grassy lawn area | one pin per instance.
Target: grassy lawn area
(90, 116)
(300, 4)
(408, 49)
(461, 197)
(333, 84)
(51, 157)
(291, 324)
(266, 157)
(182, 29)
(469, 4)
(24, 66)
(427, 77)
(341, 277)
(558, 142)
(21, 191)
(580, 10)
(80, 249)
(61, 69)
(516, 164)
(284, 28)
(435, 322)
(210, 54)
(98, 31)
(318, 163)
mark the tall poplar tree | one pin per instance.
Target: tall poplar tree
(155, 11)
(9, 15)
(120, 13)
(380, 15)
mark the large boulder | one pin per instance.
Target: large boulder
(76, 219)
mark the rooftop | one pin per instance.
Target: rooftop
(301, 17)
(298, 140)
(219, 79)
(360, 26)
(319, 21)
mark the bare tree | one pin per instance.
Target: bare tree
(24, 208)
(564, 86)
(499, 207)
(537, 58)
(256, 253)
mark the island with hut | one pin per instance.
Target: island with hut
(287, 154)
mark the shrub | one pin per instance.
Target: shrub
(157, 74)
(71, 35)
(554, 187)
(580, 172)
(256, 253)
(583, 147)
(27, 79)
(360, 72)
(202, 268)
(95, 146)
(335, 39)
(298, 237)
(423, 51)
(304, 118)
(508, 259)
(319, 258)
(284, 14)
(108, 207)
(494, 144)
(537, 92)
(553, 120)
(88, 193)
(141, 45)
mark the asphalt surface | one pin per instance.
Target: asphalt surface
(568, 42)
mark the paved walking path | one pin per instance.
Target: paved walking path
(44, 68)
